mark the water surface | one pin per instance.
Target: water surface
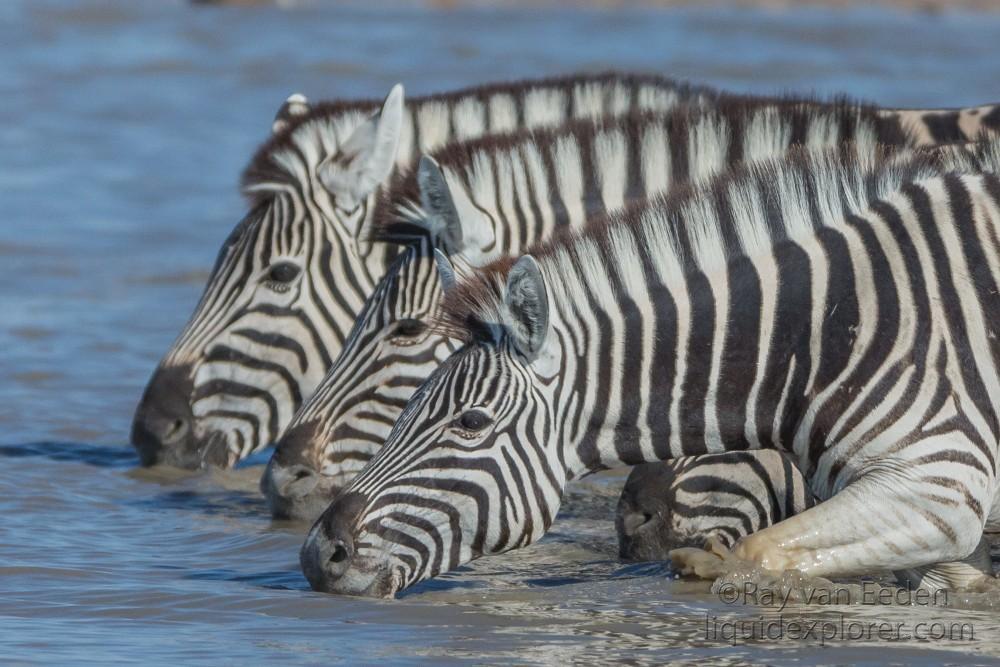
(123, 130)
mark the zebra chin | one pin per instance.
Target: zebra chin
(642, 537)
(191, 453)
(370, 580)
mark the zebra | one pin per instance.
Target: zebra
(499, 195)
(293, 274)
(688, 501)
(835, 307)
(697, 500)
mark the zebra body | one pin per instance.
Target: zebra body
(688, 501)
(496, 197)
(839, 309)
(695, 500)
(293, 275)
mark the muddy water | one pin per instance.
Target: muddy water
(123, 128)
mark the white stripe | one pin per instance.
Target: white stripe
(432, 121)
(503, 113)
(543, 107)
(569, 179)
(708, 145)
(611, 158)
(469, 119)
(766, 135)
(655, 161)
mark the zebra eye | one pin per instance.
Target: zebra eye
(409, 328)
(474, 420)
(283, 273)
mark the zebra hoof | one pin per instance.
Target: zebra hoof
(712, 562)
(764, 552)
(698, 562)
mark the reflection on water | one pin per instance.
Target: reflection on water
(123, 131)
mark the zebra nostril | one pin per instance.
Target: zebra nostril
(176, 430)
(339, 554)
(339, 560)
(633, 522)
(163, 425)
(299, 481)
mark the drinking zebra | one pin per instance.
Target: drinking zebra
(292, 276)
(294, 273)
(688, 501)
(836, 307)
(495, 197)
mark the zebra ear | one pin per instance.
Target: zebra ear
(446, 271)
(295, 105)
(367, 157)
(527, 307)
(437, 202)
(452, 218)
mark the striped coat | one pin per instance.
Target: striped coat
(839, 308)
(293, 275)
(496, 196)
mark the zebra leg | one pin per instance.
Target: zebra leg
(711, 562)
(889, 518)
(976, 571)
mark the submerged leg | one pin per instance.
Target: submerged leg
(896, 516)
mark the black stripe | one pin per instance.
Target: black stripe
(663, 364)
(275, 340)
(943, 126)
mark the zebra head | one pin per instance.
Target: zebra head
(724, 496)
(655, 513)
(286, 284)
(472, 467)
(389, 353)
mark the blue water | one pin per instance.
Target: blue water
(123, 130)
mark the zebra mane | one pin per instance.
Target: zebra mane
(698, 227)
(398, 217)
(317, 132)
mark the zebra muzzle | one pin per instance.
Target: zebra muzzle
(290, 491)
(163, 425)
(329, 554)
(294, 487)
